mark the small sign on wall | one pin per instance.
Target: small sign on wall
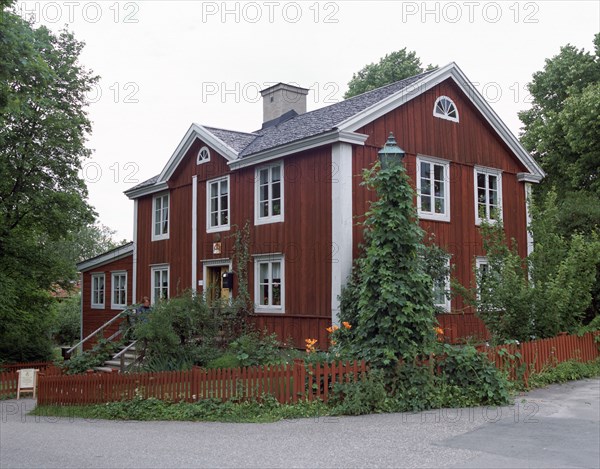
(216, 248)
(27, 381)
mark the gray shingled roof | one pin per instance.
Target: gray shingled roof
(322, 120)
(236, 140)
(303, 126)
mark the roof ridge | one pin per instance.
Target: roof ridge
(253, 134)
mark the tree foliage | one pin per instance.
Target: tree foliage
(391, 68)
(43, 129)
(546, 293)
(561, 129)
(389, 301)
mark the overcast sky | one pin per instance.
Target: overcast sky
(166, 64)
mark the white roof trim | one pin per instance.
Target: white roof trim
(113, 255)
(195, 131)
(527, 177)
(326, 138)
(426, 83)
(150, 189)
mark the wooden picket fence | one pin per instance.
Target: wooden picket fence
(532, 357)
(8, 378)
(287, 383)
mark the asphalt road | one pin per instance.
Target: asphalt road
(554, 427)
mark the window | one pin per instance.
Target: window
(160, 217)
(441, 290)
(444, 108)
(482, 273)
(119, 290)
(269, 194)
(203, 156)
(217, 205)
(488, 195)
(98, 291)
(160, 283)
(433, 189)
(269, 283)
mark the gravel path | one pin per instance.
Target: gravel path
(555, 427)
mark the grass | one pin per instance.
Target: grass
(210, 410)
(566, 371)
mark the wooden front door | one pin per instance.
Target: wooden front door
(214, 284)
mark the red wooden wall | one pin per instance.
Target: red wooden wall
(93, 318)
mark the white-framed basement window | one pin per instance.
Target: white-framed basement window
(97, 300)
(160, 217)
(217, 204)
(269, 283)
(159, 275)
(441, 291)
(488, 195)
(118, 290)
(269, 194)
(433, 188)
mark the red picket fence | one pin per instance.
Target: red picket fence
(287, 383)
(8, 378)
(538, 354)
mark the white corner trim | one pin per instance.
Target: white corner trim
(341, 223)
(430, 81)
(326, 138)
(194, 255)
(134, 260)
(528, 195)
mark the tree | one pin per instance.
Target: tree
(391, 68)
(388, 301)
(43, 130)
(561, 129)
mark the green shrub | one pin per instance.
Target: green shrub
(365, 396)
(66, 326)
(227, 360)
(96, 356)
(255, 348)
(565, 371)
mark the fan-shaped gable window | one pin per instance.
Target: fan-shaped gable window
(444, 108)
(203, 156)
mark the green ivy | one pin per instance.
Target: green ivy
(388, 299)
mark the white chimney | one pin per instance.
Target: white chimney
(280, 99)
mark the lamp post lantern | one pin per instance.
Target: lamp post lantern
(391, 153)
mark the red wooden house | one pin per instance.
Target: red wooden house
(297, 181)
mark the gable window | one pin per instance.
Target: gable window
(269, 194)
(160, 283)
(203, 156)
(488, 195)
(433, 188)
(441, 290)
(119, 290)
(217, 209)
(98, 291)
(160, 217)
(444, 108)
(269, 284)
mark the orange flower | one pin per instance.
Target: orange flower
(333, 342)
(439, 330)
(347, 325)
(332, 329)
(310, 345)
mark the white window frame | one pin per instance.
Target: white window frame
(161, 196)
(262, 259)
(479, 262)
(446, 305)
(113, 303)
(258, 220)
(445, 116)
(203, 151)
(94, 288)
(156, 268)
(209, 227)
(487, 172)
(431, 215)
